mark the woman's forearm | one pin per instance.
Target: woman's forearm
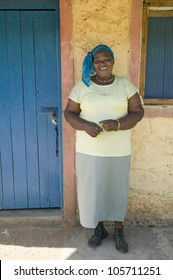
(75, 120)
(135, 113)
(130, 120)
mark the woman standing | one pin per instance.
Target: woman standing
(103, 108)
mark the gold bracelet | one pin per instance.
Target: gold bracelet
(119, 125)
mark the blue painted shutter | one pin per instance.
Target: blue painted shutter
(159, 63)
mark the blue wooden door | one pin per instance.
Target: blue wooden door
(30, 170)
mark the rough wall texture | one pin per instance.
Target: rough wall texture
(151, 178)
(105, 22)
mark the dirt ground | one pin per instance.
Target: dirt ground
(46, 236)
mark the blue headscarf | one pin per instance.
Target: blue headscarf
(88, 66)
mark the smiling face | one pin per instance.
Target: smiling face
(103, 64)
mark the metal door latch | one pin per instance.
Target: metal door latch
(53, 112)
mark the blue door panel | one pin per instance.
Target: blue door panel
(41, 92)
(30, 110)
(51, 86)
(1, 192)
(29, 171)
(5, 127)
(17, 110)
(46, 88)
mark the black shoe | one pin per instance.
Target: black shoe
(99, 233)
(120, 242)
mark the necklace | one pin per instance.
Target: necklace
(105, 81)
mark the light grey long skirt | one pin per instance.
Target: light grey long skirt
(102, 188)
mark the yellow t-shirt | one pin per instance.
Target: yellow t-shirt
(99, 103)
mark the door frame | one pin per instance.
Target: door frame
(68, 134)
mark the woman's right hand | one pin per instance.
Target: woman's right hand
(92, 129)
(72, 112)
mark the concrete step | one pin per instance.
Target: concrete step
(31, 217)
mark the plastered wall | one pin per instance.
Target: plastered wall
(105, 22)
(151, 177)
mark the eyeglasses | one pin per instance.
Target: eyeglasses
(107, 61)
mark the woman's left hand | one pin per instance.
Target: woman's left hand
(109, 125)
